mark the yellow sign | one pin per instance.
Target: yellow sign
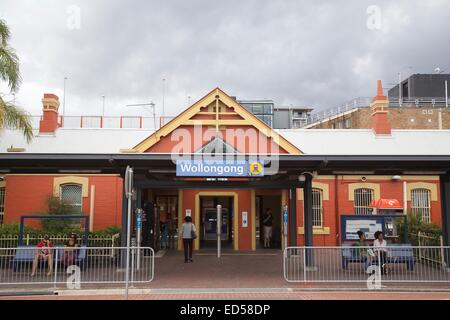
(256, 169)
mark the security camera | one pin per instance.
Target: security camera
(363, 179)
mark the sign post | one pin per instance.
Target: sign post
(129, 195)
(219, 228)
(139, 213)
(285, 225)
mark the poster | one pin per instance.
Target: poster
(368, 226)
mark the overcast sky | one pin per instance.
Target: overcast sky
(313, 53)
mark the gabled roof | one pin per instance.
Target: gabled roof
(185, 118)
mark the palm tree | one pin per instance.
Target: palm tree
(10, 115)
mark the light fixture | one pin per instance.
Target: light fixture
(396, 177)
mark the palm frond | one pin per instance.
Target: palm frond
(9, 61)
(9, 68)
(4, 32)
(15, 118)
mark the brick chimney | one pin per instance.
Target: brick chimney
(49, 122)
(380, 111)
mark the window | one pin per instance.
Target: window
(420, 204)
(363, 198)
(347, 123)
(317, 207)
(72, 195)
(2, 203)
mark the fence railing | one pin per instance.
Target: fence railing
(62, 266)
(344, 264)
(107, 243)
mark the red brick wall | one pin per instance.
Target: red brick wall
(28, 194)
(334, 208)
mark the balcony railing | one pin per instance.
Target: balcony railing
(100, 122)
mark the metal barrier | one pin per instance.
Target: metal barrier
(394, 264)
(107, 244)
(81, 267)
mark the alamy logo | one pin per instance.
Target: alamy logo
(374, 280)
(74, 280)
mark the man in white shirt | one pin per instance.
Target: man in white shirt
(380, 248)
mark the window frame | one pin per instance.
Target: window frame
(424, 211)
(359, 208)
(317, 208)
(61, 188)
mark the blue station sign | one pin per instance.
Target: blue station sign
(219, 168)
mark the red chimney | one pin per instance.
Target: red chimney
(49, 122)
(379, 106)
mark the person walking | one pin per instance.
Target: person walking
(268, 223)
(188, 233)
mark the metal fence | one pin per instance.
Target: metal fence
(350, 264)
(77, 266)
(108, 244)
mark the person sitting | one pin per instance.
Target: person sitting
(380, 247)
(69, 253)
(44, 251)
(364, 252)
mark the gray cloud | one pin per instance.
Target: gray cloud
(314, 53)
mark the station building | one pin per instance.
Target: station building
(216, 127)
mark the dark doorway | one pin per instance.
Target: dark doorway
(208, 221)
(274, 204)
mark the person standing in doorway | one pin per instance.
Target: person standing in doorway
(268, 223)
(188, 233)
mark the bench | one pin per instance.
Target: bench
(25, 255)
(396, 254)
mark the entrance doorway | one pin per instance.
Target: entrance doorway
(208, 221)
(272, 203)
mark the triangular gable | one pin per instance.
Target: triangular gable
(190, 116)
(217, 145)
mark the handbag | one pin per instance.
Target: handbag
(193, 233)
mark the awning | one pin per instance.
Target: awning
(386, 204)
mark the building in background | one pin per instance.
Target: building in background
(278, 117)
(422, 105)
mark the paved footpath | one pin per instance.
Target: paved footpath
(251, 296)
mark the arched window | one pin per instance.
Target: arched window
(363, 197)
(421, 204)
(317, 207)
(71, 194)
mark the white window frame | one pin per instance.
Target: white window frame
(362, 199)
(317, 207)
(80, 205)
(421, 205)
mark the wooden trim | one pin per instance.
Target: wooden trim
(325, 187)
(422, 185)
(253, 217)
(184, 118)
(353, 186)
(59, 181)
(316, 230)
(235, 214)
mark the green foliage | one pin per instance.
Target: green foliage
(60, 226)
(416, 225)
(13, 230)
